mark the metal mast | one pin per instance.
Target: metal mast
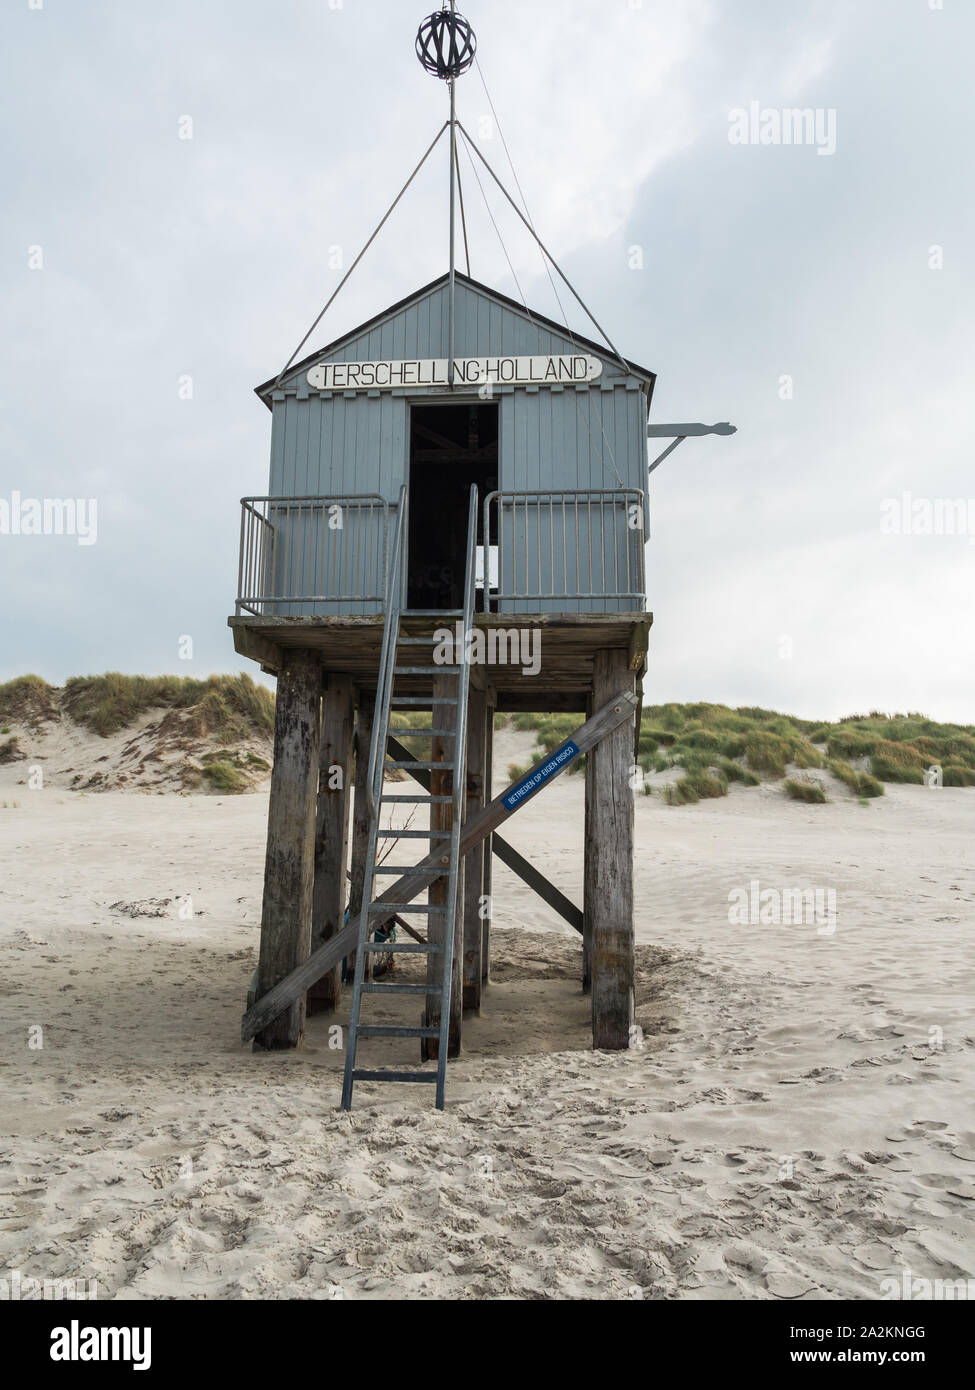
(445, 45)
(453, 166)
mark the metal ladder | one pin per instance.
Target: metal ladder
(374, 913)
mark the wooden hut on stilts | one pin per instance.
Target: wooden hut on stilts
(454, 526)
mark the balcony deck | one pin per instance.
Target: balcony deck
(565, 646)
(565, 570)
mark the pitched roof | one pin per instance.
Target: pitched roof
(600, 349)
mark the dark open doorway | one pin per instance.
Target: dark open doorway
(451, 447)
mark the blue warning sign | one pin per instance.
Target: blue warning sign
(534, 780)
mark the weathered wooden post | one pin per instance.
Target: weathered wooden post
(609, 862)
(589, 898)
(360, 814)
(332, 832)
(441, 818)
(290, 860)
(488, 847)
(478, 714)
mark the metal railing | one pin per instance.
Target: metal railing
(564, 546)
(387, 659)
(301, 553)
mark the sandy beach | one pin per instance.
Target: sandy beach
(795, 1122)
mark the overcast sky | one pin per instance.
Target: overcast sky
(132, 259)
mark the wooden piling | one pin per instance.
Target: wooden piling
(289, 865)
(477, 715)
(332, 832)
(488, 876)
(360, 817)
(589, 864)
(609, 863)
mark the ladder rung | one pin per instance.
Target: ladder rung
(430, 766)
(427, 671)
(394, 1075)
(413, 835)
(390, 908)
(416, 641)
(375, 987)
(423, 733)
(425, 701)
(426, 947)
(393, 868)
(395, 1030)
(432, 613)
(436, 800)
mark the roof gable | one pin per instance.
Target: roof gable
(487, 323)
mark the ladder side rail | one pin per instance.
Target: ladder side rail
(360, 964)
(458, 789)
(374, 782)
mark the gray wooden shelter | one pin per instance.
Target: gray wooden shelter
(551, 429)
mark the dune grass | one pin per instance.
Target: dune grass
(224, 777)
(411, 719)
(800, 790)
(860, 783)
(955, 775)
(27, 700)
(228, 706)
(892, 761)
(712, 745)
(10, 750)
(715, 745)
(697, 785)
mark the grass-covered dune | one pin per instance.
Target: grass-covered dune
(105, 704)
(715, 745)
(710, 745)
(205, 736)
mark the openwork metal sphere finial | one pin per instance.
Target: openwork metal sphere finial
(445, 44)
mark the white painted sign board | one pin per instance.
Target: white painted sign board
(468, 371)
